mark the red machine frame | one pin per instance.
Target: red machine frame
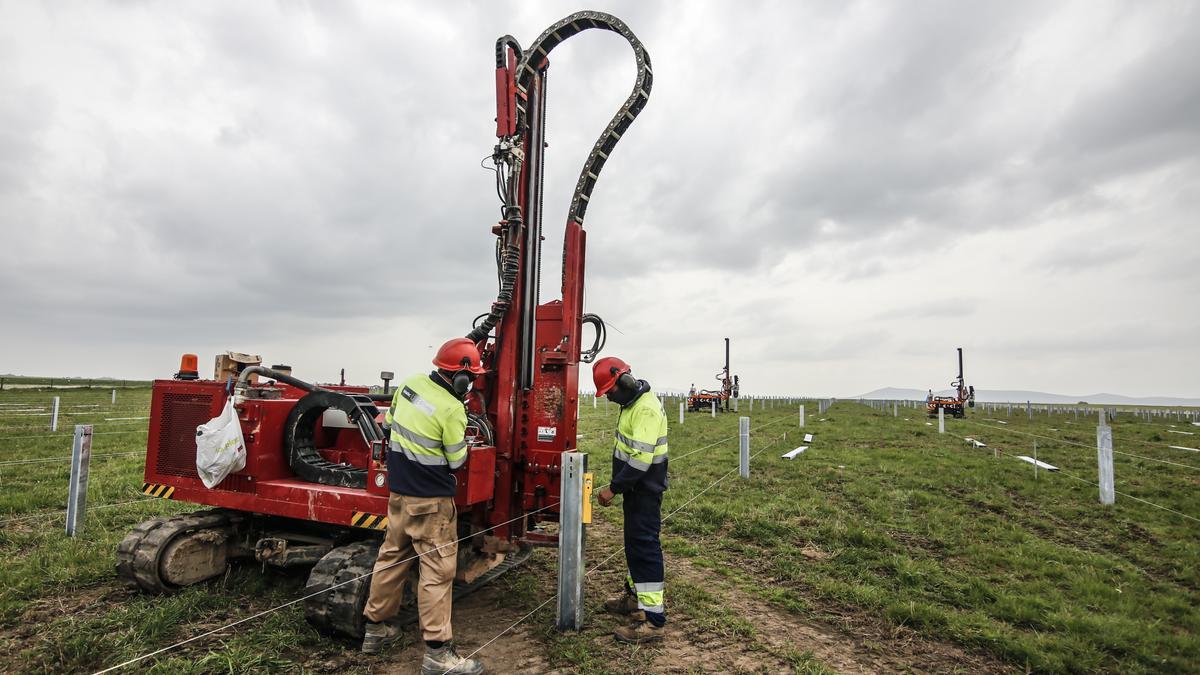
(528, 397)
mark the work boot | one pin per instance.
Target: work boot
(446, 660)
(640, 632)
(379, 635)
(623, 604)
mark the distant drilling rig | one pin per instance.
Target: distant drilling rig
(706, 398)
(953, 405)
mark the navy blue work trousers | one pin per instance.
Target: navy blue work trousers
(643, 552)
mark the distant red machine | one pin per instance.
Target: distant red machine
(314, 489)
(705, 399)
(956, 405)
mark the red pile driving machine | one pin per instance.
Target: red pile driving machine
(955, 406)
(314, 488)
(707, 399)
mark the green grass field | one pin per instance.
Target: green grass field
(883, 527)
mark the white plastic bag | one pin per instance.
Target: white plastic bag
(220, 448)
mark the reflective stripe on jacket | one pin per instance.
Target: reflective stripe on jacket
(428, 426)
(640, 447)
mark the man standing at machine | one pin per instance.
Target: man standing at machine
(639, 474)
(428, 422)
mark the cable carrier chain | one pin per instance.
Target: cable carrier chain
(314, 489)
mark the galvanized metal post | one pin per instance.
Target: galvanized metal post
(114, 397)
(571, 540)
(941, 420)
(1035, 460)
(81, 457)
(594, 402)
(1104, 458)
(54, 415)
(1029, 409)
(735, 405)
(801, 415)
(895, 409)
(713, 405)
(681, 412)
(744, 447)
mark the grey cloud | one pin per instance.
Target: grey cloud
(297, 169)
(947, 308)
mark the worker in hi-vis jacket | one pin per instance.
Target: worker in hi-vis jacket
(428, 423)
(639, 475)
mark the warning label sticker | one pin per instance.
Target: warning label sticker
(547, 433)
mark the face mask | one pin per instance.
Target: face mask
(622, 394)
(461, 383)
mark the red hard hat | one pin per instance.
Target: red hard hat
(459, 354)
(606, 371)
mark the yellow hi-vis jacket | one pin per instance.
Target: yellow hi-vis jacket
(640, 447)
(428, 426)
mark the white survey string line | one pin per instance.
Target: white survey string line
(306, 597)
(67, 458)
(1123, 494)
(1066, 441)
(69, 435)
(617, 551)
(1138, 499)
(59, 514)
(311, 595)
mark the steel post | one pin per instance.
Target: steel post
(801, 415)
(1104, 460)
(681, 412)
(744, 447)
(571, 536)
(81, 457)
(941, 420)
(54, 415)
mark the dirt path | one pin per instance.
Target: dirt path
(865, 644)
(477, 619)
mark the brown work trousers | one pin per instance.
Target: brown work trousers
(425, 527)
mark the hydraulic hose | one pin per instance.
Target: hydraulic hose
(244, 377)
(530, 63)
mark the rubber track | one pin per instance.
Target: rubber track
(139, 553)
(340, 611)
(534, 58)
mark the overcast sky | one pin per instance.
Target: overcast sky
(848, 190)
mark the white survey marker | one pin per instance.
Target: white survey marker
(1180, 447)
(808, 438)
(1038, 463)
(791, 454)
(974, 442)
(929, 424)
(1185, 433)
(1001, 422)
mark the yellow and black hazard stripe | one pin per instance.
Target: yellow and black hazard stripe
(158, 490)
(369, 521)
